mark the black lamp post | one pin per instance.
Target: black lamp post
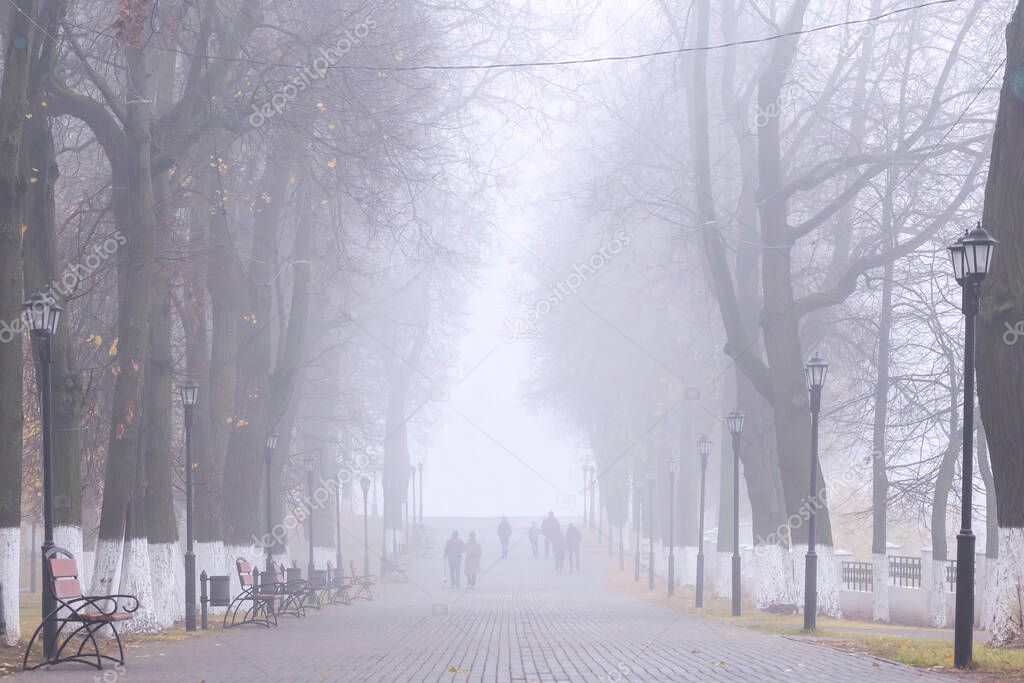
(734, 421)
(650, 531)
(972, 257)
(673, 468)
(364, 483)
(816, 371)
(310, 463)
(189, 399)
(271, 445)
(704, 447)
(42, 315)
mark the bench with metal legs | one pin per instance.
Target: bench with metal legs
(362, 585)
(254, 604)
(338, 586)
(79, 617)
(292, 595)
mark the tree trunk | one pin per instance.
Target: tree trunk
(13, 106)
(879, 475)
(985, 580)
(160, 521)
(936, 592)
(1000, 376)
(134, 216)
(244, 512)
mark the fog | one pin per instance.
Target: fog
(484, 259)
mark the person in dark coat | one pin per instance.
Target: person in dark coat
(573, 538)
(453, 550)
(550, 528)
(558, 547)
(504, 533)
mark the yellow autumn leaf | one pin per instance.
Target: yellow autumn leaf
(24, 228)
(112, 351)
(94, 339)
(333, 163)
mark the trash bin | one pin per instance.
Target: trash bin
(294, 574)
(220, 591)
(317, 578)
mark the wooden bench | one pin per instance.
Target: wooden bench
(83, 615)
(363, 584)
(338, 586)
(260, 600)
(293, 595)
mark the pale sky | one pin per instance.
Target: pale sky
(491, 454)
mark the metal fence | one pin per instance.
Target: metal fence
(904, 571)
(951, 575)
(858, 576)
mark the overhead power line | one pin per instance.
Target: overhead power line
(566, 62)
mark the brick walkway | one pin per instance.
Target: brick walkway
(522, 623)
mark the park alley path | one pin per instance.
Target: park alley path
(522, 623)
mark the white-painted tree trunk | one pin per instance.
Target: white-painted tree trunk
(322, 555)
(212, 559)
(106, 575)
(1006, 625)
(688, 577)
(936, 594)
(827, 583)
(136, 579)
(988, 590)
(88, 564)
(723, 575)
(773, 576)
(167, 571)
(880, 587)
(10, 577)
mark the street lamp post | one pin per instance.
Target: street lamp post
(650, 531)
(704, 447)
(310, 463)
(189, 399)
(816, 371)
(42, 315)
(734, 421)
(271, 445)
(972, 257)
(673, 467)
(364, 483)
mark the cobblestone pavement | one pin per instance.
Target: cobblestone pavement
(522, 623)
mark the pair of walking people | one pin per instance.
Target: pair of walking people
(454, 549)
(561, 544)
